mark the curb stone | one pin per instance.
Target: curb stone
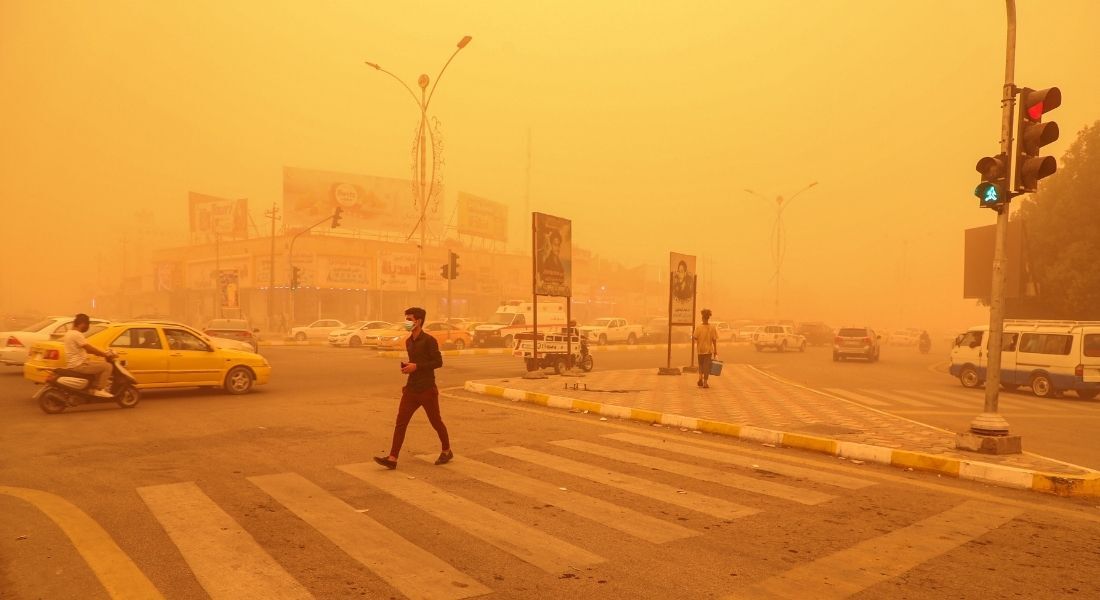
(1000, 475)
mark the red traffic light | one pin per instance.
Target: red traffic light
(1034, 103)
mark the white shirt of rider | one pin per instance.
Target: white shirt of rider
(75, 354)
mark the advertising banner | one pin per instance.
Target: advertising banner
(369, 203)
(397, 272)
(482, 218)
(229, 288)
(553, 265)
(348, 272)
(217, 217)
(682, 276)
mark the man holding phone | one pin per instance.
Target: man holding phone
(420, 389)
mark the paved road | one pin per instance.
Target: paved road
(273, 495)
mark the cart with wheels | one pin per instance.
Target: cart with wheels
(558, 350)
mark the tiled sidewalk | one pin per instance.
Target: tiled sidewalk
(747, 396)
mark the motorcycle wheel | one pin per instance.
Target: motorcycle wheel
(52, 402)
(128, 397)
(587, 363)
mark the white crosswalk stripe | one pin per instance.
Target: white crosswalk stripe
(856, 397)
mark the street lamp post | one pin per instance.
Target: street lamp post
(424, 192)
(781, 204)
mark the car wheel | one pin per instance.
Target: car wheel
(52, 402)
(802, 347)
(631, 339)
(969, 378)
(508, 342)
(530, 363)
(587, 363)
(238, 380)
(560, 366)
(603, 340)
(1087, 394)
(128, 397)
(1041, 386)
(460, 345)
(355, 342)
(299, 337)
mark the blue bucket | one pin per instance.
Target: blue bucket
(716, 367)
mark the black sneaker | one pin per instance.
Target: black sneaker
(444, 457)
(386, 462)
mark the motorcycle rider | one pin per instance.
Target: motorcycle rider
(925, 340)
(76, 356)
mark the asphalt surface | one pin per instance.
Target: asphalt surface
(673, 524)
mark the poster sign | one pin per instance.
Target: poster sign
(229, 288)
(482, 218)
(348, 272)
(397, 272)
(682, 278)
(553, 264)
(213, 217)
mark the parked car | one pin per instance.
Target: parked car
(656, 332)
(856, 342)
(234, 329)
(904, 337)
(15, 345)
(779, 337)
(746, 333)
(448, 336)
(355, 334)
(613, 329)
(726, 332)
(317, 330)
(163, 355)
(816, 333)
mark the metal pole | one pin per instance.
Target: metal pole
(450, 311)
(694, 297)
(569, 330)
(271, 278)
(534, 294)
(669, 340)
(217, 274)
(423, 81)
(990, 422)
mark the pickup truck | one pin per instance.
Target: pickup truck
(780, 337)
(613, 329)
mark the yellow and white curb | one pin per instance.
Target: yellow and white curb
(1087, 485)
(594, 349)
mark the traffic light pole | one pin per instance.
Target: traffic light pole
(290, 260)
(990, 422)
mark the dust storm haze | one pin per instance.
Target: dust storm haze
(644, 123)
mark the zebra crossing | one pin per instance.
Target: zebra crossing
(961, 400)
(228, 562)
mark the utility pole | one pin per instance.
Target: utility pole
(272, 214)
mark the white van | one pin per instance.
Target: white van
(518, 317)
(1050, 357)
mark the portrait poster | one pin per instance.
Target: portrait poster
(553, 263)
(682, 278)
(229, 288)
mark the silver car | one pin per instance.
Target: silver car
(856, 342)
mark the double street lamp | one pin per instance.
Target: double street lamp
(424, 190)
(778, 234)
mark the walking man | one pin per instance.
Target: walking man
(420, 389)
(706, 345)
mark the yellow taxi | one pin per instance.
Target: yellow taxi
(162, 355)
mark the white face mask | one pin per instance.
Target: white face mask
(409, 325)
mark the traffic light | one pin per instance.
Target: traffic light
(454, 266)
(992, 192)
(336, 217)
(294, 277)
(445, 271)
(1032, 134)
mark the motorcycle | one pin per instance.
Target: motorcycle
(66, 389)
(925, 345)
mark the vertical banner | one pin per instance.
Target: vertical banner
(682, 289)
(553, 263)
(229, 288)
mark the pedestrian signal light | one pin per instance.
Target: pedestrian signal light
(1032, 134)
(992, 192)
(336, 217)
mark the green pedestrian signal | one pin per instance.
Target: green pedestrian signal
(992, 192)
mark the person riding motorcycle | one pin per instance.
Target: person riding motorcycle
(76, 356)
(925, 340)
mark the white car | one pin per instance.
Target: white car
(726, 332)
(746, 333)
(355, 334)
(15, 345)
(317, 330)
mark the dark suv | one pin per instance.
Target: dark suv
(816, 334)
(856, 342)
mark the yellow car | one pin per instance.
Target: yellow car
(162, 355)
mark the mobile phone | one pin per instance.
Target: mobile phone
(403, 363)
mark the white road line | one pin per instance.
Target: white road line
(730, 457)
(650, 489)
(410, 569)
(938, 401)
(628, 521)
(853, 396)
(224, 557)
(525, 543)
(741, 482)
(850, 571)
(895, 397)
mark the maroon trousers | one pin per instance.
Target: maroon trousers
(410, 401)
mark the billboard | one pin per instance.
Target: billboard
(682, 289)
(553, 265)
(482, 218)
(348, 272)
(397, 272)
(213, 217)
(369, 203)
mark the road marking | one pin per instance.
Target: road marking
(850, 571)
(730, 458)
(114, 569)
(741, 482)
(413, 571)
(895, 398)
(525, 543)
(224, 557)
(650, 489)
(614, 516)
(936, 401)
(856, 397)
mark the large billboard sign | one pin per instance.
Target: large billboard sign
(482, 218)
(369, 203)
(553, 263)
(213, 217)
(682, 288)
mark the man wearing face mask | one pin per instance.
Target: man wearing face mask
(420, 390)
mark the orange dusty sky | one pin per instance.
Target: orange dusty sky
(647, 121)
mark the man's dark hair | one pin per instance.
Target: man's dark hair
(555, 235)
(417, 313)
(682, 264)
(706, 314)
(81, 319)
